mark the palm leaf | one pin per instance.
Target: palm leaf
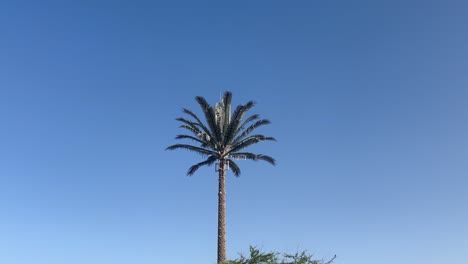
(210, 118)
(249, 141)
(199, 122)
(251, 156)
(233, 125)
(226, 112)
(248, 120)
(234, 167)
(192, 129)
(200, 151)
(239, 113)
(246, 108)
(250, 129)
(188, 123)
(234, 128)
(194, 168)
(202, 143)
(199, 125)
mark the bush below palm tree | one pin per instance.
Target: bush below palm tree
(258, 257)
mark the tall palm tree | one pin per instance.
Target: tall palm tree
(220, 140)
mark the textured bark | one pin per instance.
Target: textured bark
(222, 213)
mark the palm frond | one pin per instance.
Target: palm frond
(199, 122)
(198, 150)
(266, 158)
(188, 123)
(192, 129)
(249, 141)
(252, 156)
(202, 129)
(227, 98)
(234, 167)
(246, 108)
(238, 115)
(210, 118)
(203, 143)
(234, 129)
(194, 168)
(233, 125)
(251, 128)
(248, 120)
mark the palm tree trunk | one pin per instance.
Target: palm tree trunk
(222, 213)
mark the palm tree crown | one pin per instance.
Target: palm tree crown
(224, 136)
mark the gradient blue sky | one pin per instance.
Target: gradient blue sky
(368, 99)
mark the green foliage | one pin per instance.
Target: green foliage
(224, 135)
(258, 257)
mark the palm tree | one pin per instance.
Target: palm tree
(221, 140)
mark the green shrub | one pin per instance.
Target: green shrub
(258, 257)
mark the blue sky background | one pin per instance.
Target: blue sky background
(368, 101)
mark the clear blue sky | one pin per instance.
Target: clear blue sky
(368, 99)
